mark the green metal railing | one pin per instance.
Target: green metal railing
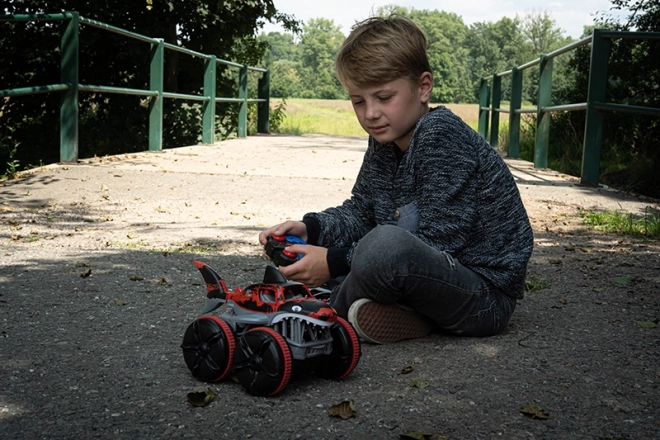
(70, 85)
(601, 42)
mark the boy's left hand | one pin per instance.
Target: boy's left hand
(311, 270)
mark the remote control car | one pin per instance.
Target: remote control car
(276, 249)
(270, 330)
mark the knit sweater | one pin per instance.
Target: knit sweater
(450, 189)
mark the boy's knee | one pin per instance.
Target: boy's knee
(381, 246)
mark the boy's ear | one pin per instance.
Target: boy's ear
(426, 86)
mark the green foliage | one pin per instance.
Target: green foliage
(113, 123)
(630, 155)
(647, 225)
(10, 146)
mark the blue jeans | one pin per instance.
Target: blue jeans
(391, 265)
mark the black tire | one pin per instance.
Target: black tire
(208, 348)
(263, 363)
(345, 352)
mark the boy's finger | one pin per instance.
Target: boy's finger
(298, 249)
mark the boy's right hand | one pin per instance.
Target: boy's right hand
(289, 227)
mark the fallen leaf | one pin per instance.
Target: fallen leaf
(103, 187)
(535, 412)
(622, 281)
(136, 278)
(86, 273)
(120, 302)
(345, 410)
(419, 383)
(648, 324)
(407, 370)
(414, 435)
(161, 281)
(131, 236)
(201, 398)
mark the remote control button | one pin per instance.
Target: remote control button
(277, 237)
(289, 254)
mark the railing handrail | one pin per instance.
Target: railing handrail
(71, 86)
(594, 106)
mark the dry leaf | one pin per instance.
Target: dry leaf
(419, 383)
(345, 410)
(201, 398)
(648, 324)
(409, 369)
(622, 281)
(86, 273)
(161, 281)
(103, 187)
(120, 302)
(136, 278)
(535, 412)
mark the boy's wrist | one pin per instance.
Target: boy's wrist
(336, 259)
(313, 229)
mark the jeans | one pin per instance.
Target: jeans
(390, 265)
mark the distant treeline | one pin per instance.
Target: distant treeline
(302, 65)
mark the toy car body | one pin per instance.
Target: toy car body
(270, 329)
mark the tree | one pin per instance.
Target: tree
(495, 47)
(319, 45)
(114, 123)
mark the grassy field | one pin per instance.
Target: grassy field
(336, 117)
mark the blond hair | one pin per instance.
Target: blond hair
(379, 50)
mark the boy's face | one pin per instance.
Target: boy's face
(389, 112)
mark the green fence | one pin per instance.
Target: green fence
(491, 87)
(70, 86)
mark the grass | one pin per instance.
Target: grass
(336, 117)
(647, 225)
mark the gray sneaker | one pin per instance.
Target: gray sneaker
(386, 323)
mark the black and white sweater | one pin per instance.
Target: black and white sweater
(450, 189)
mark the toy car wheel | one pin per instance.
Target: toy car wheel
(263, 362)
(345, 352)
(208, 348)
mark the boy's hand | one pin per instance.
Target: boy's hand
(289, 227)
(311, 270)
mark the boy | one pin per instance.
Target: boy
(435, 232)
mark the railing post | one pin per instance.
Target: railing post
(69, 63)
(593, 127)
(495, 115)
(484, 102)
(542, 117)
(156, 102)
(263, 124)
(514, 116)
(208, 118)
(243, 96)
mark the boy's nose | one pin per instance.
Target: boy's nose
(373, 112)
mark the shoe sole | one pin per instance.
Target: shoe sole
(386, 323)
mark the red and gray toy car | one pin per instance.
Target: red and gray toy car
(271, 330)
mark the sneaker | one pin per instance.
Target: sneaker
(385, 323)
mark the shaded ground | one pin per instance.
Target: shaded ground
(97, 288)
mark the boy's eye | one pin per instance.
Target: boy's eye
(385, 98)
(357, 103)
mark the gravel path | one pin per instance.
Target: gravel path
(97, 287)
